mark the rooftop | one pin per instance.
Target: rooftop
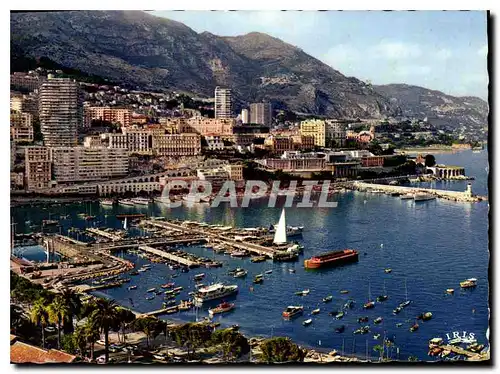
(22, 353)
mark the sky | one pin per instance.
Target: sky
(445, 51)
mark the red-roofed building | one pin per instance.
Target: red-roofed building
(22, 353)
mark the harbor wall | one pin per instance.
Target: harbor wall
(450, 195)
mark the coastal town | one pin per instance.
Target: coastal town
(131, 241)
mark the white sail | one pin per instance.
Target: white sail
(280, 234)
(125, 224)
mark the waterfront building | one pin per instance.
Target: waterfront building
(214, 143)
(38, 168)
(261, 113)
(176, 145)
(16, 180)
(83, 164)
(244, 116)
(447, 171)
(223, 104)
(113, 115)
(335, 132)
(347, 169)
(315, 128)
(26, 81)
(61, 111)
(296, 161)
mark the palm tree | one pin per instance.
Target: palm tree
(16, 317)
(81, 340)
(39, 316)
(125, 318)
(74, 304)
(58, 312)
(150, 326)
(91, 333)
(105, 315)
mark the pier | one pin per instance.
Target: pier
(217, 237)
(170, 256)
(466, 195)
(105, 234)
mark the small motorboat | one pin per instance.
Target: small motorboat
(376, 336)
(307, 322)
(151, 290)
(399, 324)
(315, 311)
(258, 259)
(426, 316)
(168, 285)
(339, 315)
(382, 298)
(268, 271)
(378, 320)
(369, 305)
(132, 288)
(349, 304)
(450, 291)
(199, 276)
(469, 283)
(414, 327)
(291, 271)
(292, 311)
(340, 329)
(150, 297)
(404, 304)
(397, 310)
(240, 273)
(258, 280)
(362, 319)
(388, 270)
(302, 293)
(362, 330)
(327, 299)
(221, 308)
(344, 291)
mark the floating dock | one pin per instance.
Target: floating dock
(170, 256)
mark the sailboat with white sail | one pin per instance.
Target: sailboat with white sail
(280, 233)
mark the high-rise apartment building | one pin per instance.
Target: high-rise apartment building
(223, 106)
(61, 111)
(38, 167)
(244, 116)
(261, 113)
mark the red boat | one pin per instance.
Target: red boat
(333, 258)
(222, 308)
(292, 311)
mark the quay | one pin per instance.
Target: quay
(218, 238)
(465, 196)
(170, 256)
(105, 234)
(159, 312)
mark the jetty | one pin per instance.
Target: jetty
(171, 256)
(216, 236)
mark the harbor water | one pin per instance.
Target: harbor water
(430, 246)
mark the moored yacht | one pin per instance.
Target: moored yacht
(140, 201)
(214, 291)
(126, 202)
(424, 197)
(106, 202)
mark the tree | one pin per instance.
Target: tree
(380, 349)
(281, 349)
(105, 315)
(39, 316)
(80, 338)
(69, 344)
(125, 318)
(74, 305)
(58, 311)
(233, 343)
(151, 326)
(430, 160)
(91, 333)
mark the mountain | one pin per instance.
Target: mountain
(439, 108)
(156, 53)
